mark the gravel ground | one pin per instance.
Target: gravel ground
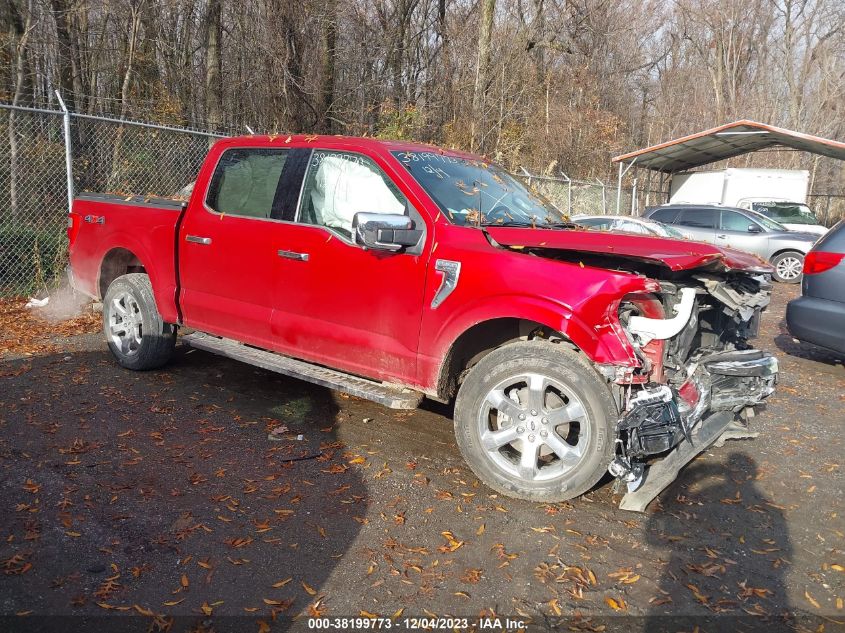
(160, 495)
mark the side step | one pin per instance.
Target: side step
(385, 394)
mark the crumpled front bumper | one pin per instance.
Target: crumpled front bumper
(719, 387)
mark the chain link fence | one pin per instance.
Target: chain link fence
(580, 197)
(107, 155)
(130, 157)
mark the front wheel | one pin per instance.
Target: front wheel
(788, 267)
(134, 329)
(534, 421)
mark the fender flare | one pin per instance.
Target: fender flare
(606, 343)
(165, 297)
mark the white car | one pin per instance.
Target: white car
(628, 224)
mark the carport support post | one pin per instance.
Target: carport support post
(622, 173)
(634, 197)
(68, 152)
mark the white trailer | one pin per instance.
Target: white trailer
(733, 187)
(781, 194)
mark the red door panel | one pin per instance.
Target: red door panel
(346, 307)
(227, 283)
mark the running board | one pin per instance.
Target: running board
(385, 394)
(660, 474)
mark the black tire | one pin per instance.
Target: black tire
(129, 306)
(576, 383)
(785, 273)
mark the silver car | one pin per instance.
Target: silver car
(628, 224)
(744, 230)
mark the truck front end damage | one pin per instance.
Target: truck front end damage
(698, 379)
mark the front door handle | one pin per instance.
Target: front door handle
(722, 235)
(196, 239)
(302, 257)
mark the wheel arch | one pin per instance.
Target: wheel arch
(116, 262)
(786, 250)
(476, 329)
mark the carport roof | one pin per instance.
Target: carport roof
(726, 141)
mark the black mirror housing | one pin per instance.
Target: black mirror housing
(384, 231)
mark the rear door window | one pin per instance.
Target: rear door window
(246, 182)
(667, 216)
(699, 218)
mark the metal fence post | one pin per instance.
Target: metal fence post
(603, 197)
(68, 152)
(568, 193)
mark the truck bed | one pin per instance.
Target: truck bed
(103, 231)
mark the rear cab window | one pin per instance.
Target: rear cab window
(246, 182)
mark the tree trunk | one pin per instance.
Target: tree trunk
(482, 70)
(134, 26)
(68, 53)
(327, 79)
(213, 66)
(20, 32)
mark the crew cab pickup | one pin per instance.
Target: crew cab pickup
(397, 271)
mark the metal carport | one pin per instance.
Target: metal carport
(720, 143)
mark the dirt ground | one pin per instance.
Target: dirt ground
(160, 495)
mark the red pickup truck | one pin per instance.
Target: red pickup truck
(396, 271)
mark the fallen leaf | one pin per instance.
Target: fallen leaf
(811, 600)
(281, 583)
(309, 590)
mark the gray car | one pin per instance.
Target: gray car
(742, 229)
(818, 315)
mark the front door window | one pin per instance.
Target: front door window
(340, 184)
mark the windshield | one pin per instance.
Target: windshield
(787, 212)
(473, 192)
(767, 223)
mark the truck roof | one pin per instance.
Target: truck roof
(340, 141)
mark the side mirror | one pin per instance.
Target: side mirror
(384, 231)
(753, 228)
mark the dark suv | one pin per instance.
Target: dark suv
(742, 229)
(818, 315)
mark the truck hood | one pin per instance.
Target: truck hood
(675, 254)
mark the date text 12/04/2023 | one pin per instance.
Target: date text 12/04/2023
(414, 623)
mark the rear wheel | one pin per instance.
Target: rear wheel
(788, 267)
(134, 329)
(534, 421)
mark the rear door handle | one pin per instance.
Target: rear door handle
(722, 235)
(196, 239)
(302, 257)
